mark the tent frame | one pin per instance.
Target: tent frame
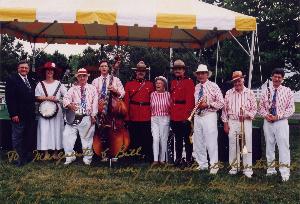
(250, 51)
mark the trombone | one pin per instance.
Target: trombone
(241, 148)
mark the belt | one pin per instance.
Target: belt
(140, 103)
(180, 102)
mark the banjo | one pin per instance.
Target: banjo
(48, 109)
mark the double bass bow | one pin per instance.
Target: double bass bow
(111, 125)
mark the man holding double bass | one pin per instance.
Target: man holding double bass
(110, 110)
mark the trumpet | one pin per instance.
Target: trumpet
(241, 142)
(191, 117)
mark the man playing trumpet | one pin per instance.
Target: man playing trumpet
(208, 99)
(239, 111)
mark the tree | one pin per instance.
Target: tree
(278, 33)
(12, 51)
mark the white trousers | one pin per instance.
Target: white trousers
(86, 135)
(205, 139)
(234, 128)
(278, 132)
(160, 128)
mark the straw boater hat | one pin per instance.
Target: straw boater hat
(141, 66)
(49, 65)
(81, 71)
(237, 75)
(203, 68)
(178, 64)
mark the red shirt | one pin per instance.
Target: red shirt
(133, 96)
(160, 103)
(182, 96)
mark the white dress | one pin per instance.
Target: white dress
(49, 131)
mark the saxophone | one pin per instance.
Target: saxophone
(191, 117)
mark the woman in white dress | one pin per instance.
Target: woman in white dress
(49, 131)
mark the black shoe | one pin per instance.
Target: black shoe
(189, 163)
(177, 162)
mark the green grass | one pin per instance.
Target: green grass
(46, 182)
(297, 105)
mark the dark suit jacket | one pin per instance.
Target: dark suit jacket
(20, 100)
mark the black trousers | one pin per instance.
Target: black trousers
(140, 136)
(182, 130)
(23, 138)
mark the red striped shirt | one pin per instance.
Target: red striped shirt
(160, 103)
(285, 104)
(235, 100)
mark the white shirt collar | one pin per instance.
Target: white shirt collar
(23, 77)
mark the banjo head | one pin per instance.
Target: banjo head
(48, 109)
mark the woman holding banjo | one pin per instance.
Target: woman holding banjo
(50, 123)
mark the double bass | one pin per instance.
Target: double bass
(111, 124)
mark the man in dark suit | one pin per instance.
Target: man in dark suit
(20, 99)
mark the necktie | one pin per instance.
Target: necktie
(83, 98)
(200, 92)
(103, 90)
(27, 82)
(273, 110)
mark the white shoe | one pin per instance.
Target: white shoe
(87, 162)
(201, 168)
(69, 160)
(232, 171)
(285, 178)
(271, 173)
(248, 175)
(214, 170)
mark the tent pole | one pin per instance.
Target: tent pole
(0, 49)
(239, 43)
(171, 57)
(33, 57)
(251, 60)
(217, 60)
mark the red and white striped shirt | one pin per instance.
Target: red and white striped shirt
(160, 103)
(212, 94)
(235, 100)
(74, 95)
(285, 105)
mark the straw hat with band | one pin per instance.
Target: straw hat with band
(237, 75)
(82, 71)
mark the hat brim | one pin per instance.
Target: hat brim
(241, 77)
(140, 68)
(76, 75)
(179, 67)
(209, 73)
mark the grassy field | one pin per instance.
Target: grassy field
(297, 107)
(46, 182)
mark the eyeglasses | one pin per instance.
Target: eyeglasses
(82, 76)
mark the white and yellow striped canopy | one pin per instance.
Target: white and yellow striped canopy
(156, 23)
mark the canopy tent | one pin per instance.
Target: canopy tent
(155, 23)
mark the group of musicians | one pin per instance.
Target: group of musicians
(152, 109)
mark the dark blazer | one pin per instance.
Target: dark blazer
(20, 100)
